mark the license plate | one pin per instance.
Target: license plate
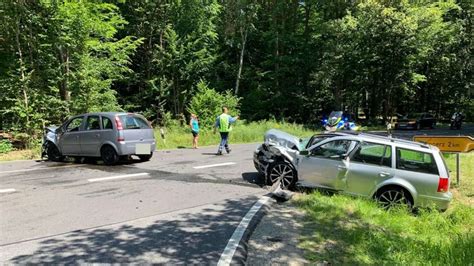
(142, 149)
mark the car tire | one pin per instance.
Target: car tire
(276, 170)
(109, 155)
(393, 196)
(145, 158)
(54, 154)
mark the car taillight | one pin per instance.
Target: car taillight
(443, 184)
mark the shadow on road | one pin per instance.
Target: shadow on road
(254, 178)
(191, 238)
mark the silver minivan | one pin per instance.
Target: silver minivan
(395, 172)
(108, 135)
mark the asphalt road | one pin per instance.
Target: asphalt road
(178, 208)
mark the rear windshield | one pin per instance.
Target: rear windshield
(132, 121)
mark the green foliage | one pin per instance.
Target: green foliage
(5, 146)
(207, 104)
(293, 60)
(59, 59)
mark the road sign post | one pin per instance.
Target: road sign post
(451, 144)
(457, 169)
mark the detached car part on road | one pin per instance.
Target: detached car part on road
(393, 171)
(110, 136)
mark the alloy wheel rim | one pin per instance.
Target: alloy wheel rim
(284, 172)
(393, 198)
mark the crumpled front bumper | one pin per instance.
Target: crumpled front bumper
(262, 159)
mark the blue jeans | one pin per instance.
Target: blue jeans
(224, 144)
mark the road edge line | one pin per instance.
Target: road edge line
(234, 242)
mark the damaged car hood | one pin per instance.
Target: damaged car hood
(278, 137)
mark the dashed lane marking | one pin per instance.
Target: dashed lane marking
(116, 177)
(7, 190)
(213, 165)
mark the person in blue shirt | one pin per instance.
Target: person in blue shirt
(224, 124)
(194, 125)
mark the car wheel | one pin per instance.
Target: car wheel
(284, 171)
(394, 196)
(54, 154)
(109, 155)
(145, 158)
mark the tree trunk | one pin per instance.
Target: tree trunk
(24, 88)
(241, 61)
(63, 88)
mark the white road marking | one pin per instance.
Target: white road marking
(213, 165)
(226, 256)
(37, 169)
(7, 190)
(116, 177)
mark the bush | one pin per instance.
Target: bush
(207, 104)
(5, 146)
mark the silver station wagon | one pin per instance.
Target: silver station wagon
(393, 171)
(110, 136)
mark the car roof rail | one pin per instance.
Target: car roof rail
(396, 140)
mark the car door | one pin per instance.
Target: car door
(324, 166)
(69, 141)
(369, 165)
(91, 136)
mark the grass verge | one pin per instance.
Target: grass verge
(347, 230)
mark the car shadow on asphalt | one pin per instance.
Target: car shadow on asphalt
(197, 237)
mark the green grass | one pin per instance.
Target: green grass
(345, 230)
(181, 137)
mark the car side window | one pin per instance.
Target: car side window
(333, 149)
(74, 124)
(373, 153)
(416, 161)
(93, 123)
(314, 140)
(106, 123)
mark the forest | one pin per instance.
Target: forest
(291, 60)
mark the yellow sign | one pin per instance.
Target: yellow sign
(448, 143)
